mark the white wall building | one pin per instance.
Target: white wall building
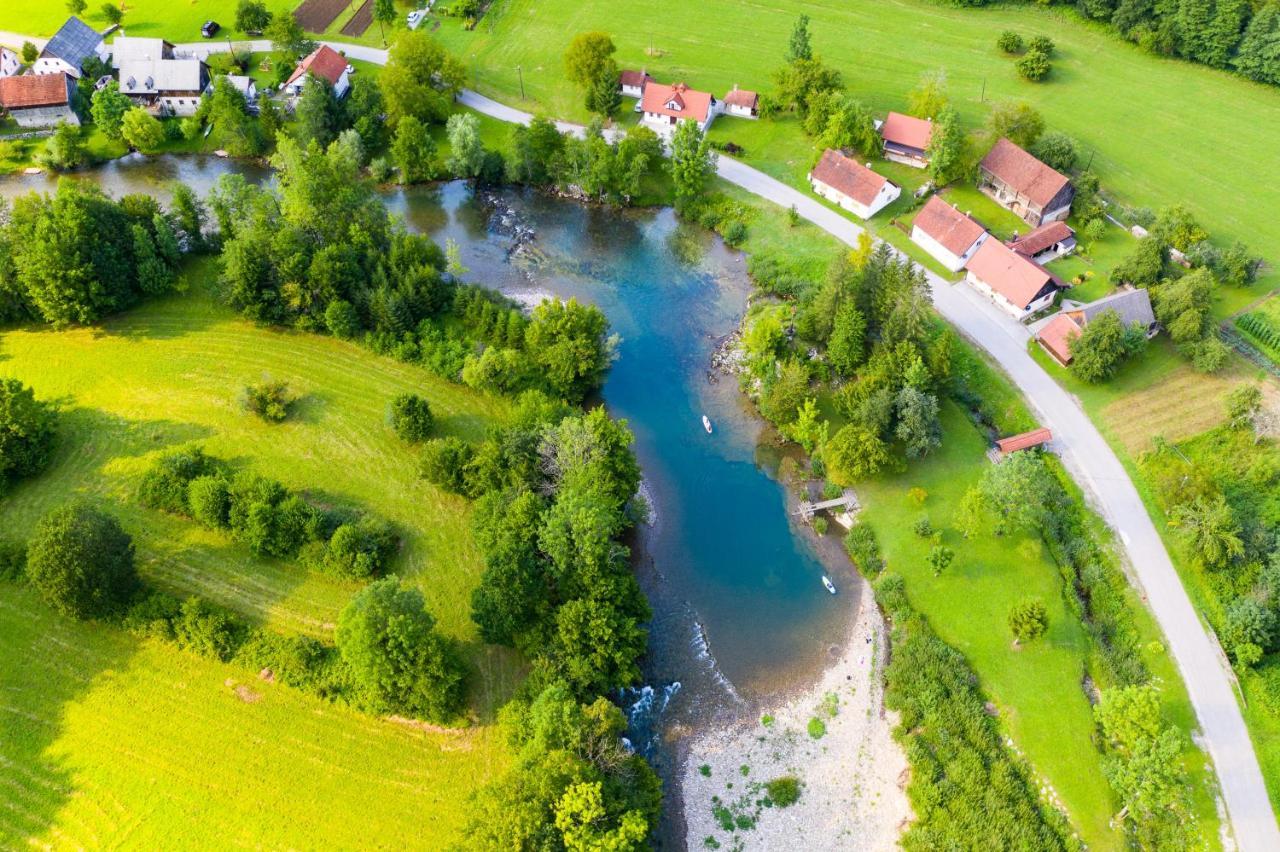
(851, 185)
(948, 235)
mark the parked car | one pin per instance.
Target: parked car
(210, 29)
(415, 18)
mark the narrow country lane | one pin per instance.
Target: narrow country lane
(1082, 448)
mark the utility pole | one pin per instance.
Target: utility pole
(1090, 165)
(520, 71)
(983, 98)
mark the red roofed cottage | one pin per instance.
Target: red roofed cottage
(950, 236)
(1028, 187)
(1017, 285)
(663, 106)
(325, 63)
(851, 185)
(743, 103)
(632, 83)
(906, 139)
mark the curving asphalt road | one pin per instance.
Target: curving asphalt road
(1078, 442)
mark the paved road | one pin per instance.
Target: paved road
(1082, 449)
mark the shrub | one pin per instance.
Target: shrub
(923, 527)
(444, 463)
(269, 399)
(164, 485)
(401, 664)
(209, 501)
(151, 616)
(298, 661)
(863, 548)
(1028, 619)
(206, 630)
(1009, 42)
(1034, 66)
(1042, 43)
(13, 559)
(1057, 150)
(263, 515)
(359, 550)
(784, 792)
(341, 319)
(820, 525)
(817, 728)
(81, 562)
(26, 431)
(411, 417)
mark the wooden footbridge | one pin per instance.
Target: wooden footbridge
(845, 503)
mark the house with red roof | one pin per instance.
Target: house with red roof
(664, 106)
(949, 236)
(851, 185)
(632, 83)
(1018, 285)
(39, 100)
(1023, 184)
(1049, 242)
(743, 103)
(906, 139)
(323, 63)
(1130, 307)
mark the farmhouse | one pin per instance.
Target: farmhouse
(125, 50)
(70, 48)
(10, 62)
(1028, 187)
(324, 63)
(743, 103)
(1048, 242)
(165, 86)
(1017, 285)
(632, 83)
(1131, 306)
(663, 106)
(39, 101)
(851, 185)
(950, 236)
(906, 139)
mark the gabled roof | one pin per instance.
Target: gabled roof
(906, 130)
(1130, 305)
(955, 231)
(324, 62)
(35, 90)
(1041, 239)
(685, 102)
(848, 176)
(1056, 336)
(1023, 173)
(637, 79)
(73, 43)
(1010, 274)
(1034, 438)
(129, 49)
(742, 98)
(153, 76)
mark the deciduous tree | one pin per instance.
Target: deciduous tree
(692, 162)
(81, 562)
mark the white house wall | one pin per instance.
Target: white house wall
(943, 255)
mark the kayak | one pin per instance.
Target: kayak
(826, 581)
(706, 423)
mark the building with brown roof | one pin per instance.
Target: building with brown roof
(851, 185)
(906, 139)
(1017, 285)
(324, 63)
(1024, 441)
(1028, 187)
(39, 100)
(1050, 241)
(664, 106)
(743, 103)
(1130, 306)
(632, 83)
(950, 237)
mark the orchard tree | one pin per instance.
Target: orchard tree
(81, 562)
(1057, 150)
(108, 108)
(1243, 404)
(1210, 528)
(1099, 349)
(1034, 66)
(1144, 265)
(252, 17)
(413, 150)
(141, 131)
(1028, 619)
(466, 151)
(929, 98)
(940, 558)
(692, 162)
(588, 56)
(401, 663)
(1016, 121)
(27, 428)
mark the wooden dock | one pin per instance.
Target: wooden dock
(845, 504)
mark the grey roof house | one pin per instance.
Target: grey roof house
(70, 48)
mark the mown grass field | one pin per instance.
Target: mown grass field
(1036, 687)
(109, 742)
(1157, 131)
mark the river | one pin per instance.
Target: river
(740, 611)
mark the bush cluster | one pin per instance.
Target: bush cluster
(27, 430)
(269, 399)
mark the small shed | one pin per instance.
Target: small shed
(1025, 441)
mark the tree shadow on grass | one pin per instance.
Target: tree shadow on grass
(46, 662)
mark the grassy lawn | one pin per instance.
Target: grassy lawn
(1146, 152)
(106, 740)
(170, 372)
(1036, 688)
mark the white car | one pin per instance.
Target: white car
(416, 17)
